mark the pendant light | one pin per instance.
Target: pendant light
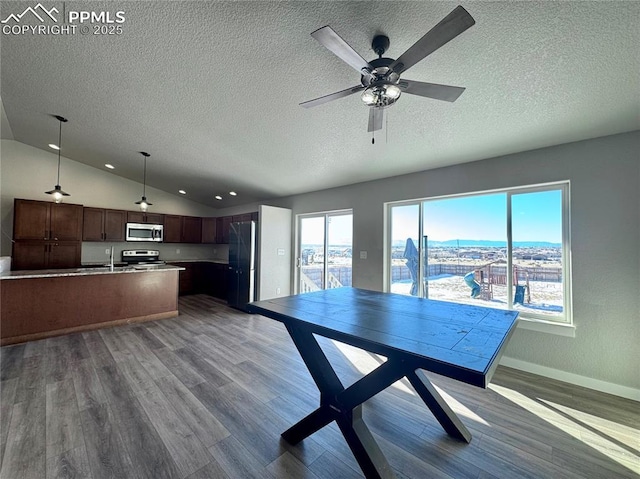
(57, 191)
(143, 203)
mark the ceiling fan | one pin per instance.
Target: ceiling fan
(381, 85)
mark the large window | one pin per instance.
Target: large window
(504, 249)
(324, 251)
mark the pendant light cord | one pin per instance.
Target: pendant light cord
(59, 150)
(144, 178)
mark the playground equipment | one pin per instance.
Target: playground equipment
(482, 280)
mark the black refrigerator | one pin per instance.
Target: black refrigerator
(242, 264)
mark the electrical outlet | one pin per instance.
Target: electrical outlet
(363, 255)
(107, 251)
(177, 250)
(277, 290)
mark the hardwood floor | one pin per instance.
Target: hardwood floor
(207, 394)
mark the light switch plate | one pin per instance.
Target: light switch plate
(280, 251)
(363, 255)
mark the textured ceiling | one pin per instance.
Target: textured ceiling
(211, 89)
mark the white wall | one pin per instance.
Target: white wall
(605, 231)
(275, 252)
(27, 172)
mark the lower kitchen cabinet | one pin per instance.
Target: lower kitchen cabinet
(203, 277)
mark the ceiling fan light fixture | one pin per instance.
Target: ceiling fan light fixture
(57, 191)
(381, 95)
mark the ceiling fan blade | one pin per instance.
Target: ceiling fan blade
(376, 116)
(332, 41)
(332, 96)
(431, 90)
(449, 27)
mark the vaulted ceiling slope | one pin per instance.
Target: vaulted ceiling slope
(212, 89)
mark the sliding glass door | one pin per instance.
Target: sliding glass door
(324, 251)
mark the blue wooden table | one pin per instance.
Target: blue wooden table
(462, 342)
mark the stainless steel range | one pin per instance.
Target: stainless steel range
(141, 256)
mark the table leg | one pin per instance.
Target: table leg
(343, 405)
(439, 407)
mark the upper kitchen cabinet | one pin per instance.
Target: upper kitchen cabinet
(142, 217)
(172, 229)
(191, 229)
(103, 224)
(46, 254)
(222, 229)
(43, 220)
(182, 229)
(208, 230)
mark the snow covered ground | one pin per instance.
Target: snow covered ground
(546, 297)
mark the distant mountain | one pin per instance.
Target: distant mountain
(467, 243)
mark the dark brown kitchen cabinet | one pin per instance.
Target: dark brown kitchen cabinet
(208, 230)
(103, 224)
(42, 220)
(172, 229)
(191, 229)
(46, 254)
(141, 217)
(222, 229)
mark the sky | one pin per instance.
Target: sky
(535, 217)
(340, 230)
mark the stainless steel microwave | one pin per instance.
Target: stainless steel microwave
(144, 232)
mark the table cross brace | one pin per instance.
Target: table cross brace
(344, 405)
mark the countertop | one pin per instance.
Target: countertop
(54, 273)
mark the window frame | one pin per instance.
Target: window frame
(298, 247)
(560, 324)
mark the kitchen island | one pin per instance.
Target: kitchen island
(39, 304)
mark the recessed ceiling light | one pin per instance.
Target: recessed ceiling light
(233, 193)
(218, 197)
(55, 147)
(110, 166)
(182, 192)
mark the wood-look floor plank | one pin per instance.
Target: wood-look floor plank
(151, 457)
(328, 465)
(164, 334)
(144, 355)
(287, 466)
(212, 470)
(203, 367)
(179, 367)
(71, 464)
(25, 451)
(183, 445)
(106, 451)
(204, 424)
(11, 361)
(98, 351)
(88, 388)
(63, 424)
(7, 394)
(237, 460)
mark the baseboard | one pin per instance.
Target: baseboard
(596, 384)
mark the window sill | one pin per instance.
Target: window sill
(560, 329)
